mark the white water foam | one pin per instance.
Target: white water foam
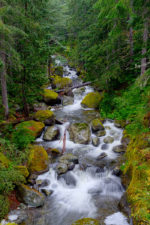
(116, 219)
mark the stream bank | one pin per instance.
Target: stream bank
(84, 182)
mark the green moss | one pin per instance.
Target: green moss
(4, 206)
(3, 160)
(62, 82)
(92, 100)
(137, 168)
(86, 221)
(34, 128)
(38, 159)
(97, 122)
(49, 94)
(23, 170)
(81, 126)
(42, 115)
(59, 70)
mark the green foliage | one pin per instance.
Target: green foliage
(4, 206)
(9, 177)
(22, 138)
(130, 105)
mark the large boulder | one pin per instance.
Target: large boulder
(45, 116)
(108, 140)
(97, 125)
(87, 221)
(51, 133)
(80, 133)
(51, 97)
(92, 100)
(79, 91)
(119, 149)
(69, 157)
(30, 196)
(34, 128)
(67, 100)
(38, 159)
(61, 82)
(61, 168)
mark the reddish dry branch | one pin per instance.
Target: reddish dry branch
(64, 142)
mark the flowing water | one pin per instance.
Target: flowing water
(90, 189)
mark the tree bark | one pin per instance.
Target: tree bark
(49, 67)
(131, 36)
(144, 49)
(25, 105)
(4, 84)
(77, 86)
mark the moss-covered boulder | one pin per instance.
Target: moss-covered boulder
(51, 133)
(45, 116)
(61, 82)
(100, 133)
(4, 161)
(97, 125)
(80, 133)
(51, 97)
(34, 128)
(87, 221)
(30, 196)
(38, 159)
(108, 140)
(92, 100)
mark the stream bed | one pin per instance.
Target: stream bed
(91, 188)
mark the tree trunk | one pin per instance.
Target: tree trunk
(131, 36)
(49, 67)
(144, 49)
(25, 105)
(4, 84)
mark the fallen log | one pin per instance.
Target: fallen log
(76, 86)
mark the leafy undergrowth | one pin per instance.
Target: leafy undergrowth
(13, 152)
(131, 107)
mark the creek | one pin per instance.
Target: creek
(90, 189)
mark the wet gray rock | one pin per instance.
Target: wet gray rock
(69, 157)
(51, 133)
(124, 206)
(61, 168)
(97, 125)
(80, 133)
(67, 100)
(30, 196)
(119, 149)
(108, 140)
(104, 147)
(95, 141)
(79, 91)
(69, 179)
(101, 156)
(43, 183)
(116, 171)
(46, 192)
(101, 133)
